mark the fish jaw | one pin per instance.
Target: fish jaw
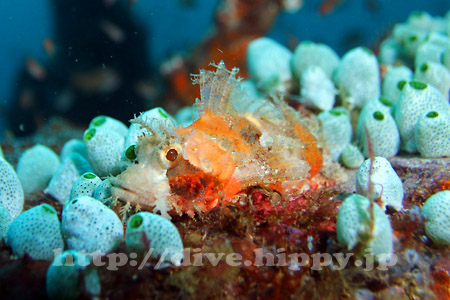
(146, 186)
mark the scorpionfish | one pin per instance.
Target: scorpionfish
(224, 152)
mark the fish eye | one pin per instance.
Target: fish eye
(170, 156)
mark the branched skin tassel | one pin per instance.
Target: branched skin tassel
(194, 169)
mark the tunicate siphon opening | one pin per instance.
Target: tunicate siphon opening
(418, 85)
(413, 38)
(89, 175)
(424, 67)
(162, 113)
(99, 120)
(401, 84)
(335, 112)
(48, 209)
(417, 14)
(130, 153)
(432, 114)
(135, 221)
(378, 115)
(89, 134)
(74, 201)
(385, 101)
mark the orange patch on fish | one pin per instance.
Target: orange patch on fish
(310, 150)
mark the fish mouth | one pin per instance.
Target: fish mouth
(134, 196)
(117, 184)
(122, 191)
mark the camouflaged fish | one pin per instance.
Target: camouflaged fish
(224, 152)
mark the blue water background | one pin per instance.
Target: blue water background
(175, 28)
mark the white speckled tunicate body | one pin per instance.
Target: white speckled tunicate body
(428, 52)
(435, 74)
(436, 211)
(151, 231)
(309, 54)
(389, 51)
(358, 77)
(336, 130)
(353, 223)
(385, 182)
(36, 167)
(36, 232)
(69, 275)
(103, 192)
(85, 185)
(382, 133)
(73, 146)
(415, 99)
(104, 148)
(351, 157)
(317, 89)
(378, 103)
(5, 221)
(67, 173)
(269, 64)
(432, 134)
(391, 87)
(89, 225)
(11, 192)
(410, 38)
(106, 122)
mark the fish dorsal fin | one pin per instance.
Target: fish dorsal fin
(217, 89)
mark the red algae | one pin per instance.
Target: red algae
(441, 284)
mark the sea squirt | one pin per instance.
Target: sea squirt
(194, 169)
